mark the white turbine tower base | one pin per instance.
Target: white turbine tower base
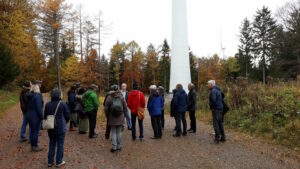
(180, 63)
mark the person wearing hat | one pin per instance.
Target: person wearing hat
(57, 135)
(116, 110)
(155, 105)
(34, 116)
(71, 104)
(24, 104)
(91, 103)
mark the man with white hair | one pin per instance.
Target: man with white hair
(125, 95)
(216, 106)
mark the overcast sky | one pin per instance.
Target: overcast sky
(149, 21)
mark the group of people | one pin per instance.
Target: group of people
(82, 106)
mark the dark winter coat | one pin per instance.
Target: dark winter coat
(35, 107)
(215, 99)
(24, 100)
(155, 105)
(173, 108)
(181, 101)
(113, 120)
(62, 115)
(192, 100)
(79, 108)
(71, 101)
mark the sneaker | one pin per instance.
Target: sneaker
(50, 165)
(23, 140)
(190, 129)
(154, 138)
(61, 164)
(36, 149)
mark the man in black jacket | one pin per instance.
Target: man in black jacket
(24, 103)
(192, 107)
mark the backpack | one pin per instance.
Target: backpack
(116, 108)
(225, 107)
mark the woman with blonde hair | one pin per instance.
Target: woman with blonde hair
(34, 116)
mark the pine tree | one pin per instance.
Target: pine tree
(164, 66)
(264, 31)
(8, 68)
(245, 47)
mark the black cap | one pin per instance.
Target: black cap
(114, 87)
(135, 86)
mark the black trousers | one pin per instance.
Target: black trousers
(218, 124)
(156, 125)
(180, 117)
(193, 120)
(108, 128)
(133, 126)
(162, 118)
(92, 116)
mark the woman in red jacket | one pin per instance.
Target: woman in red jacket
(135, 100)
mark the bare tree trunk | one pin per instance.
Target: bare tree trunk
(55, 34)
(80, 33)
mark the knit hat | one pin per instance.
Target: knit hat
(27, 85)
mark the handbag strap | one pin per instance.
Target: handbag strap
(57, 108)
(139, 99)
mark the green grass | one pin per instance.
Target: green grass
(7, 100)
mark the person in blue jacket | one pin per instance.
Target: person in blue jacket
(57, 135)
(71, 104)
(155, 106)
(216, 106)
(180, 103)
(34, 116)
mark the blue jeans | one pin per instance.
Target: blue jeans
(34, 131)
(56, 140)
(133, 129)
(23, 129)
(128, 120)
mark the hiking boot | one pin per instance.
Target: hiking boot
(23, 140)
(36, 149)
(113, 150)
(184, 134)
(176, 135)
(61, 164)
(119, 149)
(223, 140)
(192, 131)
(93, 136)
(216, 141)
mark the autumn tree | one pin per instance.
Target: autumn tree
(17, 32)
(52, 17)
(70, 71)
(152, 65)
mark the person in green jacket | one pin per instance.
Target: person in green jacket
(91, 103)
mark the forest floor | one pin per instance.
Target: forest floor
(192, 151)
